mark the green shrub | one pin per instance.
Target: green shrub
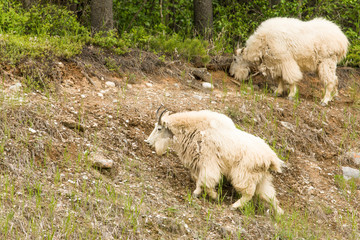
(176, 46)
(353, 57)
(109, 40)
(41, 31)
(12, 17)
(13, 48)
(52, 20)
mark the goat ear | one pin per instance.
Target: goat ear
(163, 119)
(239, 51)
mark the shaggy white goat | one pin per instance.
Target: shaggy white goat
(209, 144)
(285, 47)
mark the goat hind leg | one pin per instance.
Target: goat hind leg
(327, 73)
(266, 191)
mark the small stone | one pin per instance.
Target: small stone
(288, 126)
(349, 173)
(15, 87)
(148, 84)
(100, 95)
(198, 97)
(32, 130)
(355, 157)
(207, 85)
(70, 181)
(100, 161)
(110, 84)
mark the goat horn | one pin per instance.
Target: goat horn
(157, 111)
(159, 121)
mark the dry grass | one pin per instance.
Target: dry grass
(49, 189)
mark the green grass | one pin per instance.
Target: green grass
(14, 48)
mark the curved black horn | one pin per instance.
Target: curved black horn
(159, 120)
(157, 111)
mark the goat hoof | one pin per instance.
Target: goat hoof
(279, 212)
(291, 98)
(195, 195)
(323, 104)
(232, 208)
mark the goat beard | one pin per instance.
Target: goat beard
(162, 145)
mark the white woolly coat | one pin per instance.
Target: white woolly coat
(209, 143)
(285, 47)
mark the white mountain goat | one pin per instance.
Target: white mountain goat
(209, 144)
(285, 47)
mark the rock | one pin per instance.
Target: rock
(110, 84)
(73, 125)
(16, 87)
(98, 160)
(207, 85)
(148, 84)
(354, 157)
(349, 173)
(201, 73)
(198, 97)
(32, 130)
(288, 126)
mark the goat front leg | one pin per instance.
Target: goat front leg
(198, 189)
(280, 89)
(241, 202)
(293, 91)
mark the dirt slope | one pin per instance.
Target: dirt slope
(48, 139)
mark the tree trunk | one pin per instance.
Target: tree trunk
(101, 15)
(26, 3)
(274, 2)
(203, 17)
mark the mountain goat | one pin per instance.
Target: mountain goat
(210, 145)
(285, 47)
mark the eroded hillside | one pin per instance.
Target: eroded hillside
(102, 104)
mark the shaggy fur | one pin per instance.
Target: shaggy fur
(283, 48)
(210, 145)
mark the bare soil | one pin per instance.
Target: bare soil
(79, 112)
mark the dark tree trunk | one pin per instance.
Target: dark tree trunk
(274, 2)
(170, 19)
(203, 17)
(102, 15)
(26, 3)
